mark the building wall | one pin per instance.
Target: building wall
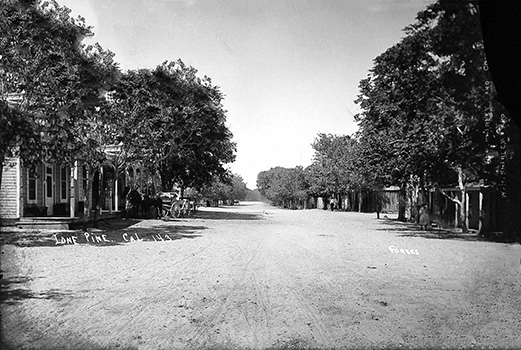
(389, 201)
(10, 191)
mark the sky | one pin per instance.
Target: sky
(289, 69)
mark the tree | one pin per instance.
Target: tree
(58, 84)
(334, 171)
(255, 196)
(501, 31)
(58, 80)
(286, 187)
(428, 94)
(174, 123)
(16, 134)
(238, 188)
(231, 189)
(399, 100)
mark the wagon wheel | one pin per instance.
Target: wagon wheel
(191, 210)
(188, 212)
(175, 210)
(165, 211)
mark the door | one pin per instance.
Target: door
(49, 189)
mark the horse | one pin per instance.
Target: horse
(157, 203)
(152, 202)
(134, 203)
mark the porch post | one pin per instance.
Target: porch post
(467, 200)
(111, 192)
(456, 215)
(116, 201)
(101, 191)
(480, 210)
(72, 194)
(19, 199)
(140, 179)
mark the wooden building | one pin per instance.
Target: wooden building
(483, 207)
(60, 191)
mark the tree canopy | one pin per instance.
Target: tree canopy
(53, 80)
(173, 122)
(427, 107)
(229, 189)
(334, 165)
(429, 118)
(426, 95)
(62, 101)
(283, 186)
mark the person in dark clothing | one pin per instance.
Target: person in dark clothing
(425, 219)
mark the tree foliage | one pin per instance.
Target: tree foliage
(173, 122)
(334, 167)
(230, 189)
(427, 111)
(53, 80)
(283, 186)
(428, 118)
(52, 87)
(62, 101)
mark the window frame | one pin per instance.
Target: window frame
(32, 178)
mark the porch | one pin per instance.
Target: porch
(54, 222)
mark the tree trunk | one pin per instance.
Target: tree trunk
(423, 193)
(95, 200)
(87, 200)
(463, 205)
(415, 187)
(402, 201)
(512, 200)
(2, 158)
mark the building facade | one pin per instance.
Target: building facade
(58, 190)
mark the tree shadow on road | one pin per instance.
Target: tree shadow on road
(181, 231)
(227, 215)
(12, 292)
(109, 223)
(112, 235)
(406, 229)
(74, 341)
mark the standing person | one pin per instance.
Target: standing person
(425, 219)
(125, 195)
(332, 203)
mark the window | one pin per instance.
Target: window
(49, 182)
(84, 180)
(63, 183)
(31, 186)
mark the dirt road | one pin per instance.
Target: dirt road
(257, 277)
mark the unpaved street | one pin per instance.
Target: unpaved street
(257, 277)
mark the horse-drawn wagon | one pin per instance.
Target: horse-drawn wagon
(175, 207)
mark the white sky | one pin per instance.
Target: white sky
(289, 68)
